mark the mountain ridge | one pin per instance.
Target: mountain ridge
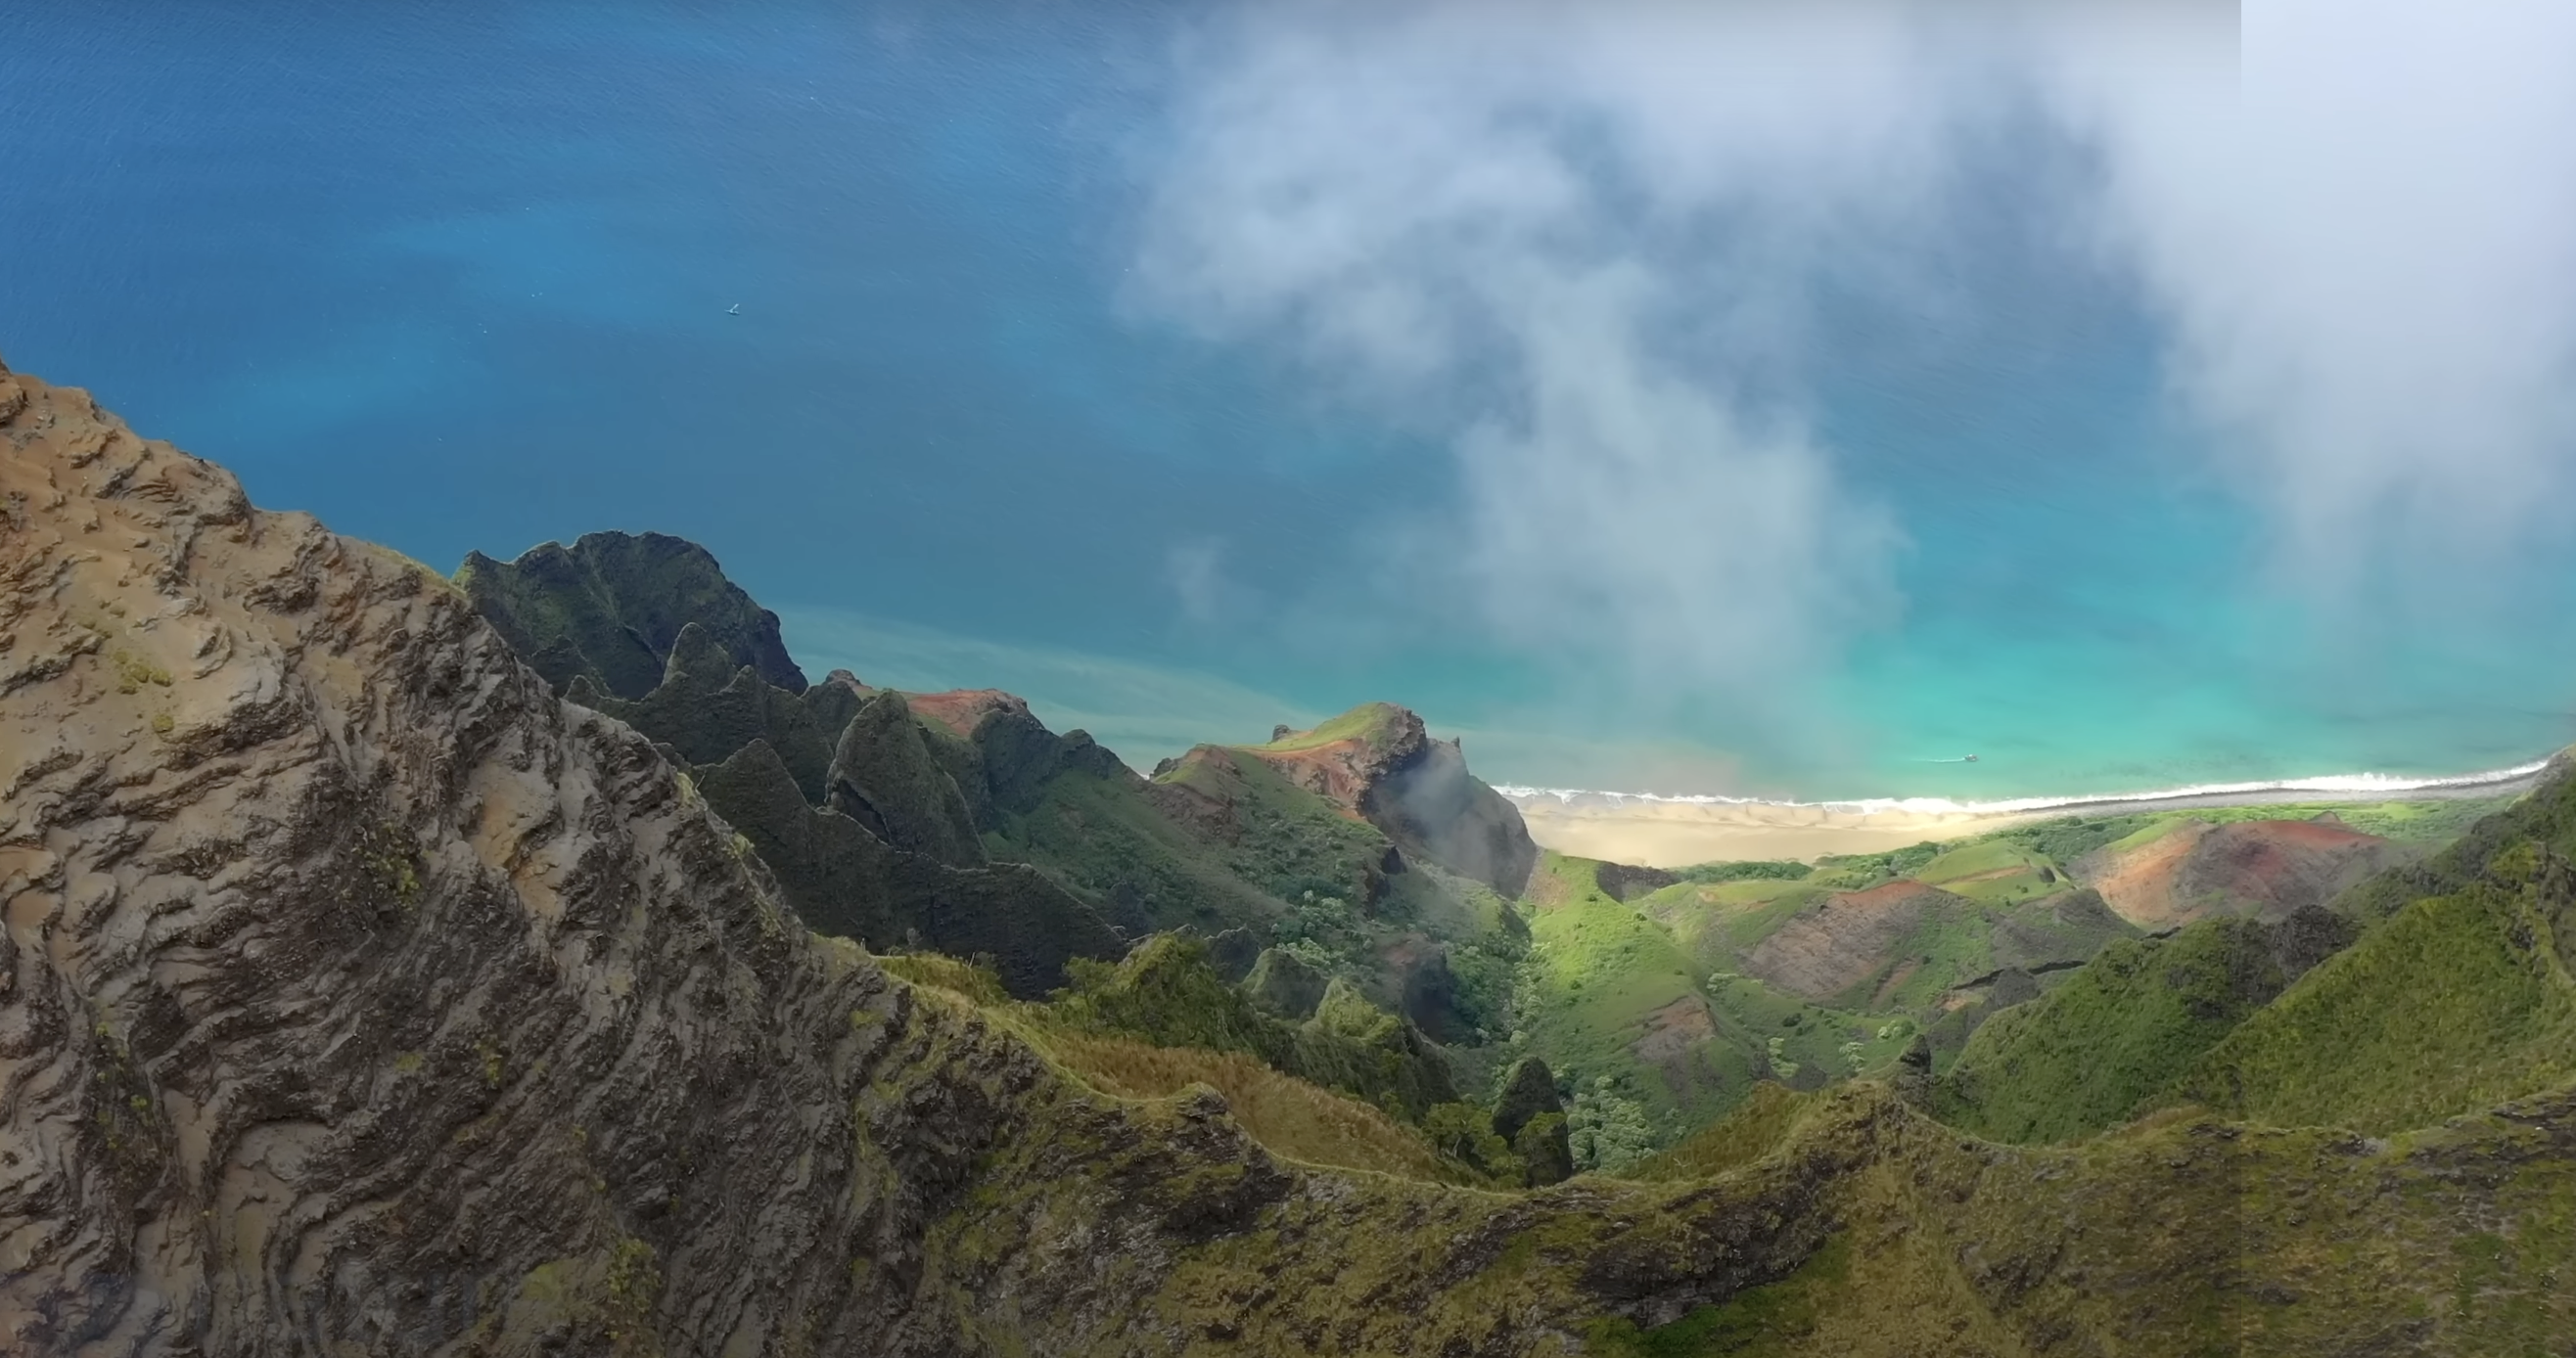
(361, 992)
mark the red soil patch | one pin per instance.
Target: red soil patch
(2138, 884)
(1340, 771)
(1676, 1045)
(1895, 980)
(1843, 940)
(961, 710)
(2264, 868)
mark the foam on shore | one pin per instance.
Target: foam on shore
(1664, 831)
(2337, 787)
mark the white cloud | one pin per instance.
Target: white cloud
(1571, 241)
(2366, 258)
(1578, 242)
(1196, 571)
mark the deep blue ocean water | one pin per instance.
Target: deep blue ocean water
(456, 276)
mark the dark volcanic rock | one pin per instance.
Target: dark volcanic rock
(1234, 953)
(1625, 883)
(1285, 986)
(707, 707)
(611, 606)
(843, 878)
(1529, 1090)
(886, 777)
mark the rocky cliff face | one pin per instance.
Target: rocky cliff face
(610, 608)
(357, 994)
(1378, 761)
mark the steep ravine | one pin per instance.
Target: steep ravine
(358, 995)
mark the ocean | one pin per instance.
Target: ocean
(840, 290)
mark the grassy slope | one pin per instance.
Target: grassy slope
(1293, 1118)
(1841, 1223)
(1100, 835)
(2456, 1003)
(1719, 913)
(1597, 971)
(1292, 841)
(1158, 1043)
(2427, 824)
(1600, 969)
(1603, 975)
(1992, 872)
(1807, 1045)
(1718, 922)
(2117, 1032)
(1376, 723)
(2200, 1237)
(1321, 863)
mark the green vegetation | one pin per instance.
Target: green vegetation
(1992, 871)
(1848, 872)
(1720, 923)
(1370, 723)
(2454, 1004)
(2095, 1050)
(2417, 823)
(1614, 1006)
(610, 606)
(1722, 1037)
(133, 671)
(1766, 1318)
(1166, 993)
(1713, 873)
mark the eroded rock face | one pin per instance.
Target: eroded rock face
(610, 608)
(354, 992)
(359, 995)
(1380, 763)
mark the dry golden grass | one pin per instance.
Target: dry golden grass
(1289, 1116)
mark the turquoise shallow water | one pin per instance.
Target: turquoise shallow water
(457, 277)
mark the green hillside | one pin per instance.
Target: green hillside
(1614, 1006)
(2456, 1003)
(1359, 1005)
(2087, 1055)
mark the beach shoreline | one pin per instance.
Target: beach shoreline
(1672, 832)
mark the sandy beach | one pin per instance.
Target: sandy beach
(1675, 833)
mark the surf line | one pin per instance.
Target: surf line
(2336, 787)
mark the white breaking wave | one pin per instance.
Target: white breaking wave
(2332, 786)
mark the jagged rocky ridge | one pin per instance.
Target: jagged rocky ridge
(357, 994)
(957, 821)
(610, 608)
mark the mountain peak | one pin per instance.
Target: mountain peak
(1378, 762)
(612, 605)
